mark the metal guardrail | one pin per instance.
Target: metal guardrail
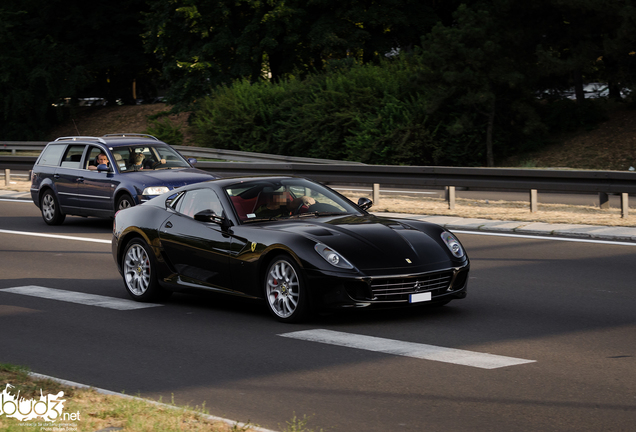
(532, 180)
(197, 152)
(241, 156)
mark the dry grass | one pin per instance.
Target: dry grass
(502, 210)
(97, 411)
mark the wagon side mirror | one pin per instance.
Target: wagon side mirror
(104, 167)
(365, 203)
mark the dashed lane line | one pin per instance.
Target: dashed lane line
(407, 349)
(55, 236)
(78, 298)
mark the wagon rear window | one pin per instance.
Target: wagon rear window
(52, 155)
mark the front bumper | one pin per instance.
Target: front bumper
(333, 291)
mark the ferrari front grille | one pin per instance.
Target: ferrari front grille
(400, 288)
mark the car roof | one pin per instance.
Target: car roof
(113, 140)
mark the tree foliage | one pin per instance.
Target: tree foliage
(206, 43)
(397, 81)
(54, 49)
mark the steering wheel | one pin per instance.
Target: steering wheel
(300, 206)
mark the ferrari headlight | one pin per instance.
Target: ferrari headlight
(332, 257)
(155, 190)
(453, 244)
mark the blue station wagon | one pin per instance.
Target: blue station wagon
(98, 176)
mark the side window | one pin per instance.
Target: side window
(197, 200)
(73, 156)
(52, 154)
(92, 156)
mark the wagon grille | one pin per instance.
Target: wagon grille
(401, 288)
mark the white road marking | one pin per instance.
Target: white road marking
(15, 200)
(407, 349)
(538, 237)
(79, 298)
(56, 236)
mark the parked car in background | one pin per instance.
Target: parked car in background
(296, 244)
(97, 176)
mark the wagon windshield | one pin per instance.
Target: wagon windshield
(146, 157)
(269, 199)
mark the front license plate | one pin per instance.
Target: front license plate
(421, 297)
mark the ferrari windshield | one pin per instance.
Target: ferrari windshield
(147, 157)
(269, 199)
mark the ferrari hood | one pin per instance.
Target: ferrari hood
(371, 243)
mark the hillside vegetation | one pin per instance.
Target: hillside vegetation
(610, 145)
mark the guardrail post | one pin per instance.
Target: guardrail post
(450, 197)
(376, 193)
(7, 177)
(533, 201)
(603, 200)
(624, 205)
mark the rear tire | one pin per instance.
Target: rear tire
(139, 268)
(50, 208)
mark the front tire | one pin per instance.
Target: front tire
(285, 291)
(140, 272)
(125, 201)
(50, 208)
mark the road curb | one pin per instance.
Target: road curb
(232, 423)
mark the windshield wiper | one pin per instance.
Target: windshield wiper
(273, 218)
(317, 214)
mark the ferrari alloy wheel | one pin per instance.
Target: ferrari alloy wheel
(51, 212)
(284, 291)
(139, 268)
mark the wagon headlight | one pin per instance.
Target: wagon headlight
(155, 190)
(332, 257)
(453, 244)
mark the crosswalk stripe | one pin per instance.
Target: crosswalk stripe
(407, 349)
(79, 298)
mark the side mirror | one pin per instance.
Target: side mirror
(192, 161)
(103, 167)
(210, 216)
(365, 203)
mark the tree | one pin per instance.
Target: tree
(206, 43)
(585, 41)
(54, 49)
(477, 67)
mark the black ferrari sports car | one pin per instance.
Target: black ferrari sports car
(295, 243)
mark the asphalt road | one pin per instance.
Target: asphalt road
(568, 307)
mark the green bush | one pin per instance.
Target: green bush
(162, 128)
(378, 114)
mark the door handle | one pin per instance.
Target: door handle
(80, 180)
(56, 176)
(169, 225)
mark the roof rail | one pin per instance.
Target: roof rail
(75, 138)
(123, 135)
